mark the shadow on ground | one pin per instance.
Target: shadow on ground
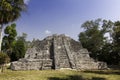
(75, 77)
(104, 72)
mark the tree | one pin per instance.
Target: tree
(18, 50)
(116, 42)
(93, 38)
(12, 45)
(23, 37)
(9, 39)
(106, 53)
(10, 10)
(110, 53)
(3, 60)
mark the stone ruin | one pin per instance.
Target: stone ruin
(56, 52)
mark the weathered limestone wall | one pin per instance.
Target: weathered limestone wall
(32, 64)
(55, 52)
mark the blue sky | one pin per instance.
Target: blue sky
(47, 17)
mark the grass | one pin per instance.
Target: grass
(60, 75)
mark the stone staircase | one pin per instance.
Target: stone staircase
(61, 55)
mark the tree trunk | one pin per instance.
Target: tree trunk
(2, 68)
(1, 27)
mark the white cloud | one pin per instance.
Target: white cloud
(47, 32)
(26, 1)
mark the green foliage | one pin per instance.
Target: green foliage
(93, 37)
(23, 37)
(116, 34)
(11, 32)
(9, 39)
(10, 10)
(15, 49)
(116, 42)
(4, 58)
(106, 53)
(28, 44)
(18, 50)
(101, 47)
